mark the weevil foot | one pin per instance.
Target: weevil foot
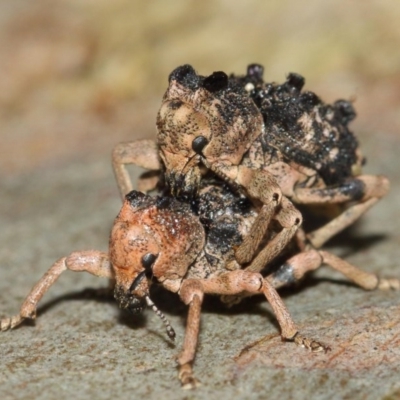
(310, 344)
(10, 322)
(388, 283)
(186, 377)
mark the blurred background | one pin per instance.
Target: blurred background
(78, 76)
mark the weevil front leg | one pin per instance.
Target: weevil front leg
(143, 153)
(261, 187)
(192, 294)
(290, 219)
(94, 262)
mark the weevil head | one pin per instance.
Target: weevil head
(131, 244)
(205, 120)
(152, 240)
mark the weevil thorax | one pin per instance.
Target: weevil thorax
(203, 119)
(153, 239)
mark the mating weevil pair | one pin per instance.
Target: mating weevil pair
(268, 146)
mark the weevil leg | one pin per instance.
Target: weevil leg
(143, 153)
(240, 281)
(192, 294)
(94, 262)
(297, 266)
(289, 331)
(364, 279)
(365, 190)
(290, 219)
(246, 250)
(261, 187)
(320, 236)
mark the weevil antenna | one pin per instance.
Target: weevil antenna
(170, 329)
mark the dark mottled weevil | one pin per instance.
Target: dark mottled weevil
(273, 142)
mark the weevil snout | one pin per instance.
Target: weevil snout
(129, 301)
(135, 303)
(185, 183)
(134, 298)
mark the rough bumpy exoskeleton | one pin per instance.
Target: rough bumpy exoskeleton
(189, 251)
(161, 240)
(271, 142)
(228, 217)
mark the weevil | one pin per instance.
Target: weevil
(188, 249)
(160, 240)
(273, 142)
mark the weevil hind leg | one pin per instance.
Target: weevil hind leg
(297, 266)
(95, 262)
(364, 190)
(364, 279)
(294, 269)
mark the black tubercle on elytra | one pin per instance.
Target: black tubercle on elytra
(308, 100)
(345, 111)
(216, 81)
(295, 82)
(255, 71)
(186, 76)
(164, 202)
(136, 199)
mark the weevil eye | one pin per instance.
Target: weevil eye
(148, 261)
(199, 143)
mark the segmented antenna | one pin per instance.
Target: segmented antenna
(170, 330)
